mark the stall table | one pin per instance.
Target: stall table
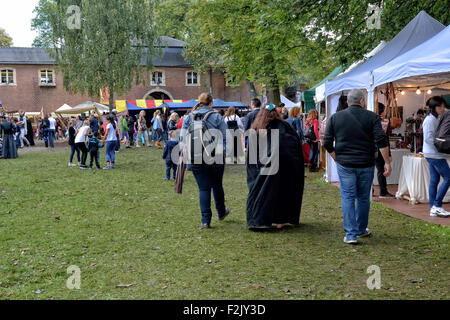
(415, 179)
(397, 160)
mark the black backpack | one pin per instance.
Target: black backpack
(45, 124)
(233, 124)
(442, 134)
(200, 136)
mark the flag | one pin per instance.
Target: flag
(1, 106)
(104, 96)
(42, 112)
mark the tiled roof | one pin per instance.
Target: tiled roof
(172, 57)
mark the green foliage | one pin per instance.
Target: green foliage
(5, 40)
(106, 50)
(342, 25)
(170, 18)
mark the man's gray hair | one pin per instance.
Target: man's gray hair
(355, 96)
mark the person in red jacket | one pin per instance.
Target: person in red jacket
(313, 121)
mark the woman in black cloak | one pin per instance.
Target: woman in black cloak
(274, 198)
(7, 130)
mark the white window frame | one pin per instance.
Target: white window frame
(163, 74)
(14, 83)
(47, 84)
(192, 84)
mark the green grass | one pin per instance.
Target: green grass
(127, 226)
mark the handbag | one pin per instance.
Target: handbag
(309, 133)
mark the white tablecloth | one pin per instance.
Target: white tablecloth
(415, 179)
(397, 160)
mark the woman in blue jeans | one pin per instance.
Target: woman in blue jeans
(111, 141)
(436, 161)
(208, 176)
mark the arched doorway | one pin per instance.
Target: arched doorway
(158, 94)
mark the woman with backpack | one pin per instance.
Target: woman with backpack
(312, 138)
(437, 161)
(234, 123)
(208, 176)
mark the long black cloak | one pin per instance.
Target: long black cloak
(277, 199)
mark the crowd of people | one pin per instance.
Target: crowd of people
(353, 137)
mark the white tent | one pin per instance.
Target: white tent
(320, 90)
(288, 103)
(64, 107)
(422, 28)
(427, 66)
(416, 32)
(89, 105)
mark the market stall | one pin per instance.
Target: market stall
(422, 28)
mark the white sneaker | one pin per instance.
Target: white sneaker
(367, 233)
(439, 212)
(350, 241)
(72, 164)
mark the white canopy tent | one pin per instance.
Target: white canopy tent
(320, 90)
(89, 104)
(422, 28)
(64, 107)
(288, 103)
(426, 66)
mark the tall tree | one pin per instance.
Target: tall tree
(5, 40)
(170, 18)
(99, 44)
(254, 40)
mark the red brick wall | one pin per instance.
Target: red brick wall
(29, 96)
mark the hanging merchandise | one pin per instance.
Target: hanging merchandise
(395, 119)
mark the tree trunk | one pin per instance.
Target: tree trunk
(252, 89)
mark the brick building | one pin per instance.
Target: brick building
(30, 79)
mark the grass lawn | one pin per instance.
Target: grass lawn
(127, 226)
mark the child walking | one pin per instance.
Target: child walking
(167, 155)
(94, 145)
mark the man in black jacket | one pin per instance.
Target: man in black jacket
(356, 134)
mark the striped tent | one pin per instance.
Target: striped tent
(123, 105)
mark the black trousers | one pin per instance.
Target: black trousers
(379, 163)
(94, 157)
(84, 152)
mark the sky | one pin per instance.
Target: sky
(15, 18)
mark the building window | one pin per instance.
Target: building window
(7, 77)
(47, 78)
(158, 78)
(192, 78)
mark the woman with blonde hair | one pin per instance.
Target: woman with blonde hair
(158, 128)
(312, 138)
(142, 130)
(208, 176)
(173, 121)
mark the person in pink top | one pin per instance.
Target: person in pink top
(313, 121)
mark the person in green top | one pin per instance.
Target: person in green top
(123, 129)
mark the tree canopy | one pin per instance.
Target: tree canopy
(98, 44)
(5, 40)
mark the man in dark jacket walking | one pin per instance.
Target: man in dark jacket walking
(352, 137)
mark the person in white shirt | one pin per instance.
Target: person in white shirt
(51, 131)
(437, 161)
(80, 142)
(234, 123)
(111, 141)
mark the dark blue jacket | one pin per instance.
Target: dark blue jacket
(93, 124)
(297, 125)
(167, 154)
